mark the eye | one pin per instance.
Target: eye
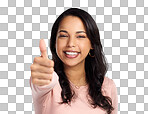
(63, 36)
(81, 36)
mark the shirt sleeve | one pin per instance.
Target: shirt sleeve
(39, 93)
(114, 97)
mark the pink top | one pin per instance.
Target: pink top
(46, 98)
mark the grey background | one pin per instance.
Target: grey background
(123, 26)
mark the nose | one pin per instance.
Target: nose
(71, 42)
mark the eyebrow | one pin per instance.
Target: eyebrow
(76, 32)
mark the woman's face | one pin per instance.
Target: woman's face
(72, 43)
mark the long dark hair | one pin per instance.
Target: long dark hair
(95, 67)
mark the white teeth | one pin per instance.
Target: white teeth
(71, 53)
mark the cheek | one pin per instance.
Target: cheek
(85, 46)
(59, 46)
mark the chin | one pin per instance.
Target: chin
(70, 64)
(73, 63)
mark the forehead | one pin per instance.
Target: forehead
(72, 23)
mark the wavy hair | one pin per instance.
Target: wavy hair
(95, 67)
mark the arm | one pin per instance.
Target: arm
(39, 93)
(114, 97)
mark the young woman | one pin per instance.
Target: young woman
(74, 81)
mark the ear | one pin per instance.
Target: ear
(91, 47)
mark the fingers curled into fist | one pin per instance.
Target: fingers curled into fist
(42, 68)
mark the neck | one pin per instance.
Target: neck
(76, 74)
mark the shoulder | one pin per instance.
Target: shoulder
(108, 82)
(109, 89)
(108, 85)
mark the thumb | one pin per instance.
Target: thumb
(43, 50)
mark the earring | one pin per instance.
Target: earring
(91, 51)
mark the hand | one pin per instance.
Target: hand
(42, 68)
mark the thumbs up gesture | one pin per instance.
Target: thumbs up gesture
(42, 68)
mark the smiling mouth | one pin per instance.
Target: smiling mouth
(71, 54)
